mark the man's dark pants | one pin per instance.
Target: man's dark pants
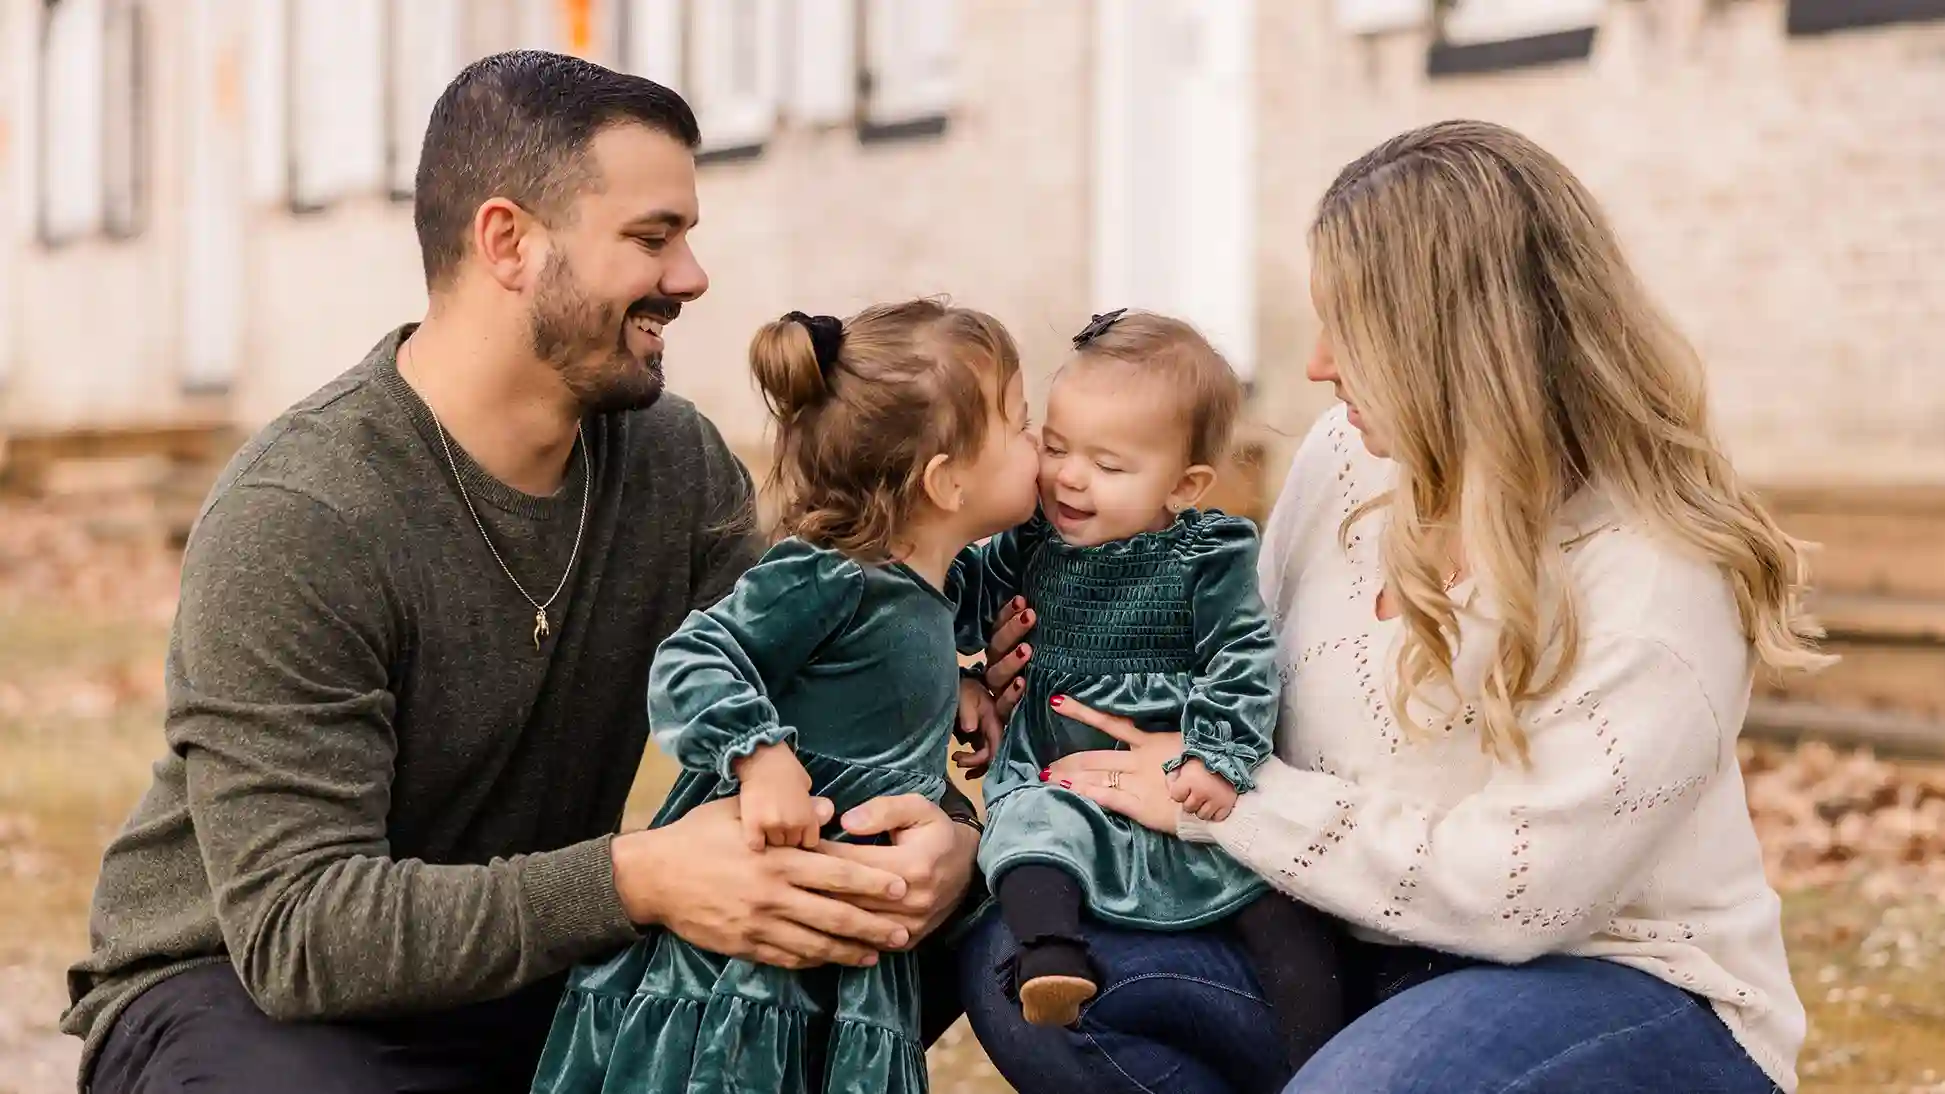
(200, 1031)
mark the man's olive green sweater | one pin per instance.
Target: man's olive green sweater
(378, 797)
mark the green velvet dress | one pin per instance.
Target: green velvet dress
(1165, 628)
(853, 665)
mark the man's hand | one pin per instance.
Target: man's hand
(782, 906)
(932, 852)
(979, 726)
(776, 803)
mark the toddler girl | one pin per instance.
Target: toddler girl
(829, 670)
(1147, 608)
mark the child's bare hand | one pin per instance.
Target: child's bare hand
(1201, 791)
(979, 727)
(775, 800)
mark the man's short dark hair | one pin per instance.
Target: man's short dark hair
(517, 126)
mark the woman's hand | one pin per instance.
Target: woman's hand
(1130, 783)
(1007, 656)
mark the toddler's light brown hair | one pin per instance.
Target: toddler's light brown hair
(863, 404)
(1172, 351)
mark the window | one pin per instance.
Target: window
(422, 55)
(337, 100)
(1824, 16)
(93, 149)
(1477, 36)
(908, 66)
(1377, 16)
(732, 76)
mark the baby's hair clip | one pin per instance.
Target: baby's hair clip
(1098, 326)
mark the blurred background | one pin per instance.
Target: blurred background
(205, 214)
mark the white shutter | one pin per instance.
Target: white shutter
(910, 48)
(71, 119)
(824, 62)
(267, 101)
(424, 56)
(211, 298)
(1377, 16)
(20, 108)
(17, 68)
(652, 40)
(734, 77)
(1182, 67)
(339, 112)
(545, 24)
(1473, 21)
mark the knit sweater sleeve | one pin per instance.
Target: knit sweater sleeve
(280, 705)
(1533, 861)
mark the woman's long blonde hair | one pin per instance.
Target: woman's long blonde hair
(1485, 321)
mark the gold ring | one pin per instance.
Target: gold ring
(1114, 779)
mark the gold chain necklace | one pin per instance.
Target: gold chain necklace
(541, 629)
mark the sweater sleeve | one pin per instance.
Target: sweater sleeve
(709, 689)
(1538, 857)
(1232, 702)
(280, 704)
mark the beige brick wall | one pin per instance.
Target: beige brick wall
(1785, 199)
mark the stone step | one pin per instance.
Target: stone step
(1890, 672)
(1884, 541)
(1884, 733)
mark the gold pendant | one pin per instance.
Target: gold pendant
(541, 629)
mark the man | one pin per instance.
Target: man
(407, 679)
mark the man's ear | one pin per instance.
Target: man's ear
(1191, 488)
(942, 486)
(509, 243)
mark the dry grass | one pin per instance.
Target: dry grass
(79, 704)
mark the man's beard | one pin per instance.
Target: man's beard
(586, 341)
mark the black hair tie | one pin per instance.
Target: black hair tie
(1098, 326)
(826, 337)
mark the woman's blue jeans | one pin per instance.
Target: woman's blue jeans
(1180, 1014)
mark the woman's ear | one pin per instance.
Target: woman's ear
(942, 486)
(1191, 488)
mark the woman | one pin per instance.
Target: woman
(1520, 531)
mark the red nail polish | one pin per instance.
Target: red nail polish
(1057, 700)
(1045, 774)
(1065, 785)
